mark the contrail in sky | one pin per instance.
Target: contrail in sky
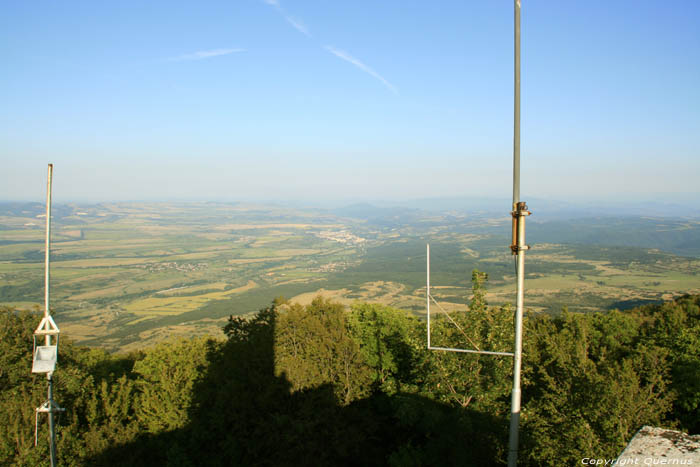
(301, 27)
(205, 54)
(349, 58)
(296, 23)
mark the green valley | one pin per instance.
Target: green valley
(126, 275)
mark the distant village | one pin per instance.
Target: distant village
(183, 267)
(341, 236)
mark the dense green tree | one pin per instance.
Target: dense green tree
(313, 346)
(466, 379)
(323, 384)
(99, 403)
(676, 326)
(165, 379)
(392, 343)
(590, 384)
(235, 411)
(20, 391)
(109, 411)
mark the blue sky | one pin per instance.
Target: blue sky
(333, 100)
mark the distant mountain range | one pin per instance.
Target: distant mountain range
(544, 208)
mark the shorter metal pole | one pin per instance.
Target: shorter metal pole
(427, 290)
(520, 213)
(52, 429)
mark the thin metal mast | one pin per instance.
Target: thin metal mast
(516, 109)
(427, 288)
(45, 357)
(518, 248)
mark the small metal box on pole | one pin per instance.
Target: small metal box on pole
(45, 357)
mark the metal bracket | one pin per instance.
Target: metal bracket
(50, 406)
(515, 249)
(429, 297)
(519, 211)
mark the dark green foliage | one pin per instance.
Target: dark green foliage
(18, 388)
(91, 384)
(472, 380)
(313, 346)
(165, 379)
(324, 385)
(676, 327)
(392, 343)
(590, 384)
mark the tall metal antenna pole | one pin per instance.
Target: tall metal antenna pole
(516, 111)
(518, 248)
(49, 375)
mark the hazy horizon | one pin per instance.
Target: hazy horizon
(545, 209)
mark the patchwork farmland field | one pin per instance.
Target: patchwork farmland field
(125, 275)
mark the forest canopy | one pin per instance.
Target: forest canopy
(328, 384)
